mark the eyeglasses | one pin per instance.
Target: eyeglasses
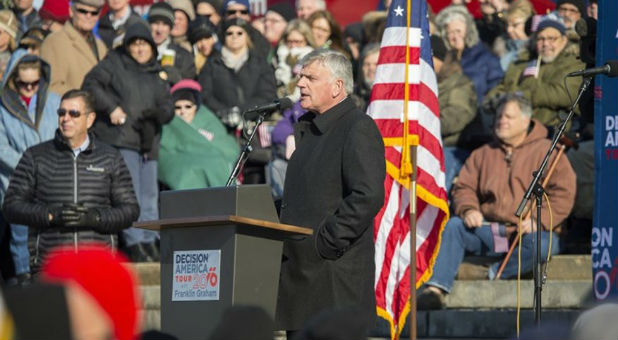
(86, 12)
(72, 113)
(295, 42)
(563, 9)
(186, 107)
(548, 39)
(240, 11)
(25, 84)
(238, 34)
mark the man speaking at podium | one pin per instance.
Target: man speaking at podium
(335, 186)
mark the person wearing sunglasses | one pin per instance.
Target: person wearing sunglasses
(236, 80)
(240, 9)
(73, 189)
(132, 102)
(27, 117)
(197, 139)
(74, 50)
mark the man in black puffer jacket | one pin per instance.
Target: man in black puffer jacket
(71, 189)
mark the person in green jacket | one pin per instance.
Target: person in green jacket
(196, 150)
(540, 75)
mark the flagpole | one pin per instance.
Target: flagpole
(413, 322)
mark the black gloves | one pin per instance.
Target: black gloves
(75, 216)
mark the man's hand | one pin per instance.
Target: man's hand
(118, 117)
(473, 218)
(528, 226)
(75, 216)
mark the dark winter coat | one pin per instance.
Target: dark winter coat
(482, 67)
(335, 186)
(223, 88)
(184, 62)
(113, 37)
(141, 92)
(48, 175)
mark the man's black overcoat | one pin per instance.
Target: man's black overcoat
(335, 186)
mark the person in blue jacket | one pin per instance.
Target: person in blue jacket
(27, 117)
(478, 63)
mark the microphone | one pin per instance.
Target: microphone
(278, 104)
(610, 69)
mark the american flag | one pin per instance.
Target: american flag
(394, 108)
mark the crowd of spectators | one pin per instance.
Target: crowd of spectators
(170, 88)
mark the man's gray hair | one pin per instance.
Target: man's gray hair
(319, 4)
(525, 107)
(338, 65)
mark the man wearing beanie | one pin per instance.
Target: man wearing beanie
(114, 24)
(275, 21)
(26, 14)
(571, 11)
(161, 19)
(74, 50)
(540, 75)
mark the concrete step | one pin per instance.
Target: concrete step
(149, 273)
(556, 294)
(561, 267)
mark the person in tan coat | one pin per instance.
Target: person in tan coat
(74, 50)
(490, 187)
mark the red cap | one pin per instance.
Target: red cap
(57, 10)
(101, 273)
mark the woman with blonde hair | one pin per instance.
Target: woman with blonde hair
(8, 31)
(296, 42)
(516, 16)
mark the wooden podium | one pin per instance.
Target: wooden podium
(219, 247)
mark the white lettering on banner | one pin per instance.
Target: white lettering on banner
(611, 128)
(601, 280)
(196, 275)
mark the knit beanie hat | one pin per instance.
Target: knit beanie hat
(161, 11)
(105, 276)
(200, 28)
(187, 89)
(185, 6)
(227, 3)
(283, 9)
(580, 4)
(56, 10)
(551, 23)
(8, 22)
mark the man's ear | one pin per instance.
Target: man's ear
(90, 119)
(337, 88)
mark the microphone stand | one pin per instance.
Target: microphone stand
(536, 188)
(244, 155)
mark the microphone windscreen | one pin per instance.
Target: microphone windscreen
(613, 68)
(285, 103)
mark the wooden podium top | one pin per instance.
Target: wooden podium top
(218, 220)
